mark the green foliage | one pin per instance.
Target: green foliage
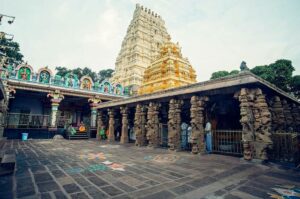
(295, 85)
(12, 50)
(219, 74)
(234, 72)
(105, 74)
(279, 73)
(97, 77)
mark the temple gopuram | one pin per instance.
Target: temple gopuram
(169, 70)
(144, 37)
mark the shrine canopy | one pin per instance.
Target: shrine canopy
(44, 76)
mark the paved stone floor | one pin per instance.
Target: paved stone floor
(91, 169)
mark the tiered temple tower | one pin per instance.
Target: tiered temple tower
(145, 35)
(169, 70)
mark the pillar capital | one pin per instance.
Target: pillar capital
(55, 97)
(94, 101)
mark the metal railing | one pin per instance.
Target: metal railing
(227, 142)
(21, 120)
(285, 147)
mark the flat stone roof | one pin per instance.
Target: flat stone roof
(242, 79)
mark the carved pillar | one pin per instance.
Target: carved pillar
(174, 123)
(56, 98)
(139, 125)
(287, 115)
(153, 124)
(296, 117)
(100, 124)
(94, 101)
(262, 126)
(246, 98)
(278, 120)
(111, 127)
(197, 122)
(124, 133)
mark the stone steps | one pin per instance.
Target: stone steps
(78, 136)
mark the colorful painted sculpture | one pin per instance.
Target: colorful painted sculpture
(24, 73)
(86, 82)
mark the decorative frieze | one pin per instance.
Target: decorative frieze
(174, 124)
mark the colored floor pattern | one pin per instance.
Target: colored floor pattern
(91, 169)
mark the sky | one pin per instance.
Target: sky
(214, 35)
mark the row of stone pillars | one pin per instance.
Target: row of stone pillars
(146, 124)
(259, 118)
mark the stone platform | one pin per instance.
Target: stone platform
(91, 169)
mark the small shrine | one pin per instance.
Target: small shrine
(169, 70)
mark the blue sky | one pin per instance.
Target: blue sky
(214, 35)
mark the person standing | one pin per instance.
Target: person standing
(208, 137)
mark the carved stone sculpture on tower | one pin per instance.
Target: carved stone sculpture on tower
(145, 34)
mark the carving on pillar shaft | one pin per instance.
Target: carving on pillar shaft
(262, 126)
(100, 124)
(174, 123)
(247, 121)
(197, 122)
(111, 127)
(256, 123)
(287, 112)
(124, 133)
(278, 120)
(139, 125)
(296, 117)
(153, 124)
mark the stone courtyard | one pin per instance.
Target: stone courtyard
(92, 169)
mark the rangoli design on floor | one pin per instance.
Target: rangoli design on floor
(286, 192)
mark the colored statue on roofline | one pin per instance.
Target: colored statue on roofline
(45, 77)
(24, 73)
(86, 84)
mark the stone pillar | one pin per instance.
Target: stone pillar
(278, 120)
(94, 101)
(246, 98)
(3, 111)
(111, 127)
(197, 122)
(100, 124)
(262, 126)
(56, 98)
(287, 112)
(124, 133)
(174, 123)
(296, 117)
(78, 117)
(139, 125)
(153, 124)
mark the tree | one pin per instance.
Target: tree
(11, 50)
(279, 73)
(105, 74)
(295, 85)
(234, 72)
(61, 71)
(219, 74)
